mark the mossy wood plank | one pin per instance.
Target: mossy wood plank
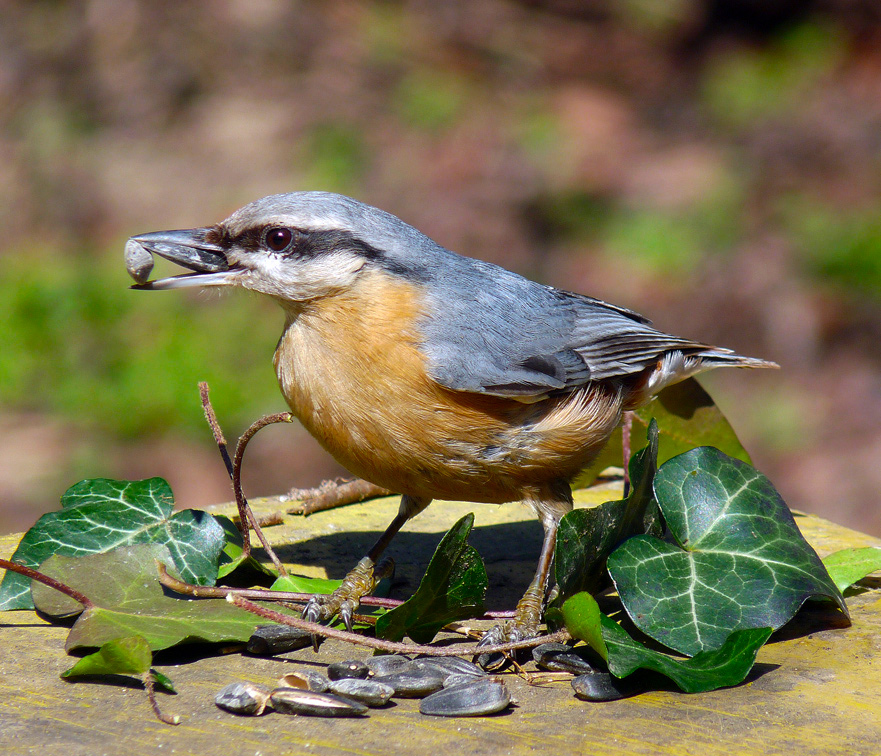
(815, 689)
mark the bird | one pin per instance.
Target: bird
(429, 373)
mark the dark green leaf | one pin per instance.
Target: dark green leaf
(123, 656)
(101, 514)
(848, 566)
(130, 600)
(452, 589)
(740, 562)
(587, 536)
(687, 417)
(707, 670)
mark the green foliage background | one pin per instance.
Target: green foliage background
(713, 165)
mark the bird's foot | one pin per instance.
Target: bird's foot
(360, 582)
(526, 624)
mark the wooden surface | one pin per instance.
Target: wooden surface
(815, 690)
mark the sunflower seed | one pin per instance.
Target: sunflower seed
(368, 692)
(312, 704)
(349, 669)
(243, 698)
(267, 640)
(306, 679)
(414, 683)
(388, 664)
(558, 657)
(602, 686)
(481, 697)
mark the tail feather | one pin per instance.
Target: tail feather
(676, 365)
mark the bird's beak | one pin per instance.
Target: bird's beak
(188, 248)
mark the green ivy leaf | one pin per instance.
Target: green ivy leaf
(101, 514)
(583, 619)
(848, 566)
(708, 670)
(232, 557)
(739, 560)
(162, 680)
(303, 584)
(129, 600)
(686, 416)
(452, 589)
(587, 536)
(122, 656)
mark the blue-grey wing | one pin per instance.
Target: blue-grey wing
(493, 332)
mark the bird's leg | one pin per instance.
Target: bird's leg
(362, 579)
(550, 505)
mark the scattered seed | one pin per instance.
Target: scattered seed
(414, 683)
(460, 679)
(243, 698)
(369, 692)
(602, 686)
(479, 698)
(450, 665)
(558, 657)
(311, 704)
(387, 664)
(349, 669)
(306, 679)
(268, 640)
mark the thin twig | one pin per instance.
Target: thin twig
(211, 417)
(245, 513)
(263, 594)
(331, 494)
(460, 649)
(80, 598)
(150, 687)
(266, 521)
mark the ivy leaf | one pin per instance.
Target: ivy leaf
(848, 566)
(708, 670)
(232, 557)
(586, 537)
(122, 656)
(101, 514)
(162, 680)
(739, 560)
(129, 600)
(303, 584)
(452, 589)
(686, 416)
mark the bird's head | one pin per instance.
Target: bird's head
(293, 247)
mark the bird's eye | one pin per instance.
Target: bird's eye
(279, 239)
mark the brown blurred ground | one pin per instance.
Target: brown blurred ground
(713, 164)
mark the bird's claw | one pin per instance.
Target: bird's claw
(345, 600)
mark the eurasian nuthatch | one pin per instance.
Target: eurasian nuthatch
(431, 374)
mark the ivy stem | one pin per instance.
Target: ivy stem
(234, 469)
(150, 687)
(241, 502)
(50, 581)
(264, 594)
(459, 649)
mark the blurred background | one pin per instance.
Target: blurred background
(713, 164)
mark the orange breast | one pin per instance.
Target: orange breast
(351, 370)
